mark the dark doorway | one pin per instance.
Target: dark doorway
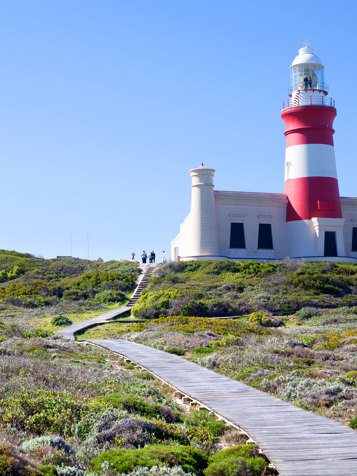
(330, 243)
(354, 239)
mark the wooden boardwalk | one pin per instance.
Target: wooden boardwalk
(71, 331)
(297, 442)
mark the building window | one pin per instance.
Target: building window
(265, 238)
(237, 235)
(354, 239)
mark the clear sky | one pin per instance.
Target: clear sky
(105, 106)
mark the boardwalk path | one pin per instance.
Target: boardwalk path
(71, 331)
(297, 442)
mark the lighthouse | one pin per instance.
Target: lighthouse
(309, 220)
(314, 222)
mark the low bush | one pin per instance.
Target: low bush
(151, 305)
(203, 350)
(175, 350)
(135, 404)
(53, 441)
(258, 318)
(12, 462)
(61, 321)
(109, 296)
(123, 461)
(160, 471)
(193, 324)
(242, 460)
(353, 423)
(43, 411)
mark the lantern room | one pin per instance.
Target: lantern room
(307, 72)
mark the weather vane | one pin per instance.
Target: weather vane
(306, 43)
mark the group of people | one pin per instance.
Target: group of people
(307, 82)
(152, 257)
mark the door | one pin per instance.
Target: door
(330, 243)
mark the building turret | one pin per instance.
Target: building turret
(314, 218)
(203, 223)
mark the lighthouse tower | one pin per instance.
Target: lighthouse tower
(313, 215)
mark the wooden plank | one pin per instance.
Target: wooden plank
(297, 442)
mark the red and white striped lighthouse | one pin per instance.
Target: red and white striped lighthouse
(313, 215)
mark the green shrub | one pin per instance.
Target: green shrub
(320, 283)
(144, 375)
(134, 404)
(160, 471)
(258, 318)
(305, 313)
(151, 305)
(109, 296)
(123, 461)
(43, 411)
(236, 460)
(353, 423)
(61, 321)
(190, 324)
(47, 470)
(175, 350)
(203, 350)
(37, 333)
(8, 464)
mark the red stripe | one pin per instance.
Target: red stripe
(310, 197)
(309, 125)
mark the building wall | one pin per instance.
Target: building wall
(349, 212)
(252, 209)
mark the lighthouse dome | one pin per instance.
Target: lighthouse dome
(306, 56)
(307, 72)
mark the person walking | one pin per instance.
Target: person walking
(164, 259)
(133, 256)
(144, 256)
(152, 257)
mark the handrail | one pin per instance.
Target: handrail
(308, 100)
(317, 87)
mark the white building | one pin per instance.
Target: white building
(309, 220)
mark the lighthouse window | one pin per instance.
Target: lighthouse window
(354, 239)
(237, 235)
(265, 238)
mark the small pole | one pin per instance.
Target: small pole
(87, 244)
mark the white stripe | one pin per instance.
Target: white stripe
(310, 160)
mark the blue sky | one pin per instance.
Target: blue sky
(106, 105)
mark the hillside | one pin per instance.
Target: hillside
(70, 409)
(67, 409)
(34, 290)
(296, 339)
(233, 288)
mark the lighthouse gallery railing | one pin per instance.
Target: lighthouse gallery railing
(309, 100)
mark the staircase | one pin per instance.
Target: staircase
(141, 286)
